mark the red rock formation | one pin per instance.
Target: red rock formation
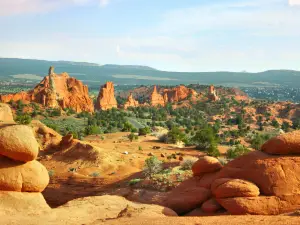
(212, 94)
(56, 91)
(106, 98)
(131, 102)
(179, 93)
(156, 99)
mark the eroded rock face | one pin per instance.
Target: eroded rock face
(179, 93)
(5, 113)
(57, 91)
(106, 98)
(212, 94)
(156, 99)
(131, 102)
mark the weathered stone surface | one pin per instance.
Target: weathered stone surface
(18, 142)
(131, 102)
(284, 144)
(211, 206)
(262, 205)
(5, 113)
(156, 99)
(187, 196)
(212, 94)
(22, 177)
(57, 91)
(106, 98)
(179, 93)
(207, 179)
(206, 164)
(235, 188)
(17, 202)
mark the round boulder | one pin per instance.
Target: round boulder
(211, 206)
(206, 164)
(18, 142)
(284, 144)
(235, 188)
(5, 113)
(22, 177)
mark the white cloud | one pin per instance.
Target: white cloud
(15, 7)
(294, 2)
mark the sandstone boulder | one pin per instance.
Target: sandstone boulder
(262, 205)
(284, 144)
(18, 202)
(22, 177)
(18, 142)
(206, 164)
(211, 206)
(235, 188)
(207, 179)
(5, 113)
(185, 199)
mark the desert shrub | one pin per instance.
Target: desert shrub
(95, 174)
(188, 163)
(90, 130)
(223, 160)
(51, 173)
(259, 139)
(132, 137)
(140, 148)
(134, 181)
(23, 119)
(205, 139)
(175, 135)
(144, 131)
(213, 149)
(152, 166)
(237, 151)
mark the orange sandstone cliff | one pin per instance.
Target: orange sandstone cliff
(106, 98)
(179, 93)
(56, 91)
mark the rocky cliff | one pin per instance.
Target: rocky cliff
(56, 91)
(106, 98)
(179, 93)
(131, 102)
(156, 99)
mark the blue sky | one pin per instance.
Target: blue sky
(173, 35)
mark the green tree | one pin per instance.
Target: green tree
(175, 135)
(204, 138)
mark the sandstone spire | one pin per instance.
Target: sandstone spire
(106, 98)
(212, 94)
(156, 99)
(131, 102)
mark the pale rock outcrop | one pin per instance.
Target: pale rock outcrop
(5, 113)
(18, 142)
(106, 98)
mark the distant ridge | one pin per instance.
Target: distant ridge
(95, 75)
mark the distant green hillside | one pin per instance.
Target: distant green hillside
(94, 75)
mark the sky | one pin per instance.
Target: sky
(170, 35)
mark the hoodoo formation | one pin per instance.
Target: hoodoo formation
(156, 99)
(131, 102)
(212, 94)
(56, 91)
(106, 98)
